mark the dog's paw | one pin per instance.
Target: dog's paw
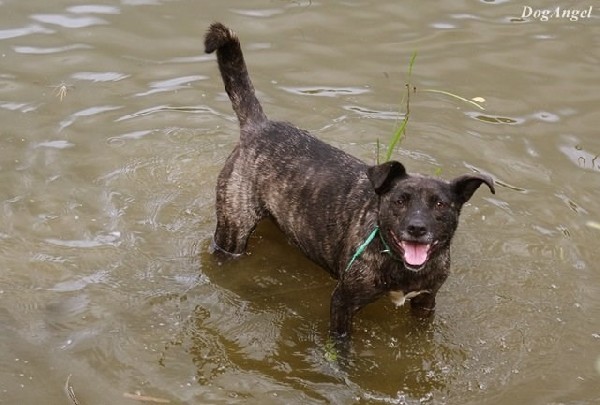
(220, 252)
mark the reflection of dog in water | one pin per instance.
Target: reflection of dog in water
(377, 229)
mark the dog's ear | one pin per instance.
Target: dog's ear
(465, 185)
(381, 176)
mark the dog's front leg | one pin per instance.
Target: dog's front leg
(348, 297)
(341, 313)
(423, 305)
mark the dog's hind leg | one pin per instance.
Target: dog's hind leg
(230, 239)
(232, 232)
(238, 211)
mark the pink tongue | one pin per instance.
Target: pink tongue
(415, 254)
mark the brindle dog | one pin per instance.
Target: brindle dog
(377, 229)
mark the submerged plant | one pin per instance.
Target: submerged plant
(474, 101)
(331, 352)
(400, 131)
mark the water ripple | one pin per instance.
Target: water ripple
(172, 84)
(369, 113)
(581, 158)
(93, 9)
(110, 239)
(59, 144)
(443, 25)
(163, 108)
(80, 283)
(100, 76)
(120, 139)
(68, 21)
(494, 119)
(22, 107)
(85, 113)
(20, 32)
(546, 116)
(38, 50)
(325, 91)
(142, 2)
(259, 13)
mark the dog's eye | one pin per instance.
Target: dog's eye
(440, 204)
(402, 201)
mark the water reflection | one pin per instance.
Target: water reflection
(23, 31)
(581, 158)
(324, 92)
(255, 318)
(495, 119)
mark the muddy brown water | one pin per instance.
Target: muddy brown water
(114, 125)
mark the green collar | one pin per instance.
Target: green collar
(366, 243)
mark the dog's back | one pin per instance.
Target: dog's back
(304, 184)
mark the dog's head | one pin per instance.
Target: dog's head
(417, 214)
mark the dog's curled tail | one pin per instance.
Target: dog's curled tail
(234, 73)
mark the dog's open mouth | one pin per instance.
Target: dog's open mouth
(414, 254)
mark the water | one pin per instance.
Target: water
(114, 126)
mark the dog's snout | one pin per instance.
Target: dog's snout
(417, 229)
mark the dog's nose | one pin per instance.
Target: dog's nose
(416, 229)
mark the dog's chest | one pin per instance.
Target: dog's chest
(399, 297)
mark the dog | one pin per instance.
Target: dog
(376, 228)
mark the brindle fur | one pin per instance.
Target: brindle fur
(328, 202)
